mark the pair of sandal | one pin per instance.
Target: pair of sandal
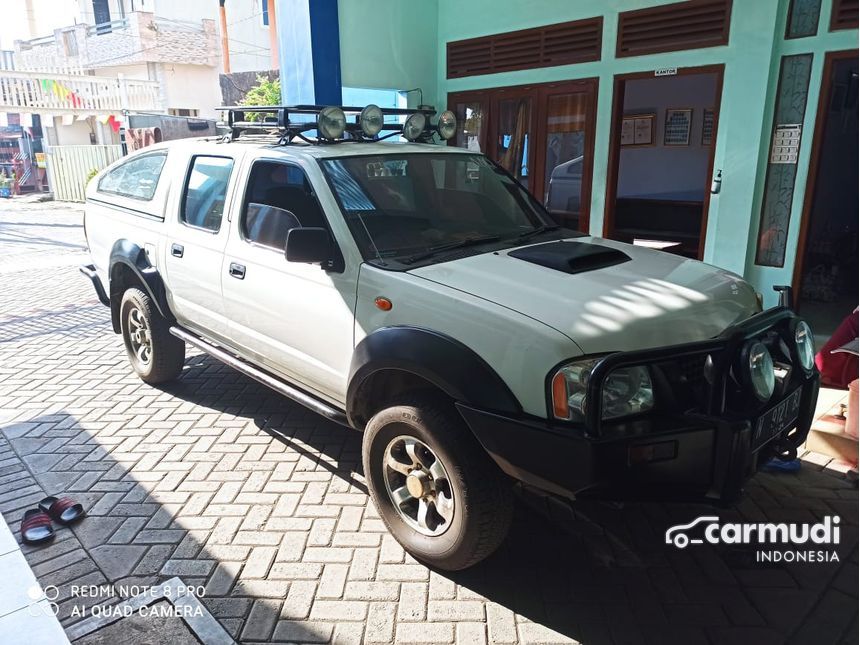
(37, 527)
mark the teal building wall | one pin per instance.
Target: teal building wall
(402, 45)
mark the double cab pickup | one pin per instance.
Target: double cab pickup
(420, 295)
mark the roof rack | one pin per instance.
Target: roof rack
(282, 121)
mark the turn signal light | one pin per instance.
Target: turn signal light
(560, 407)
(383, 303)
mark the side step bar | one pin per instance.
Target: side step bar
(308, 400)
(89, 270)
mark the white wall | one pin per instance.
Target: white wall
(665, 170)
(138, 72)
(191, 86)
(249, 38)
(77, 133)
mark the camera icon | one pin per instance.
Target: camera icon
(37, 594)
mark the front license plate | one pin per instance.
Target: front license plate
(776, 420)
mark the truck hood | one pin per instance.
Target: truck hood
(650, 300)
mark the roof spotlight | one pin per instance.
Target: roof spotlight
(371, 120)
(331, 123)
(414, 126)
(447, 125)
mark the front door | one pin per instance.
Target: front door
(296, 319)
(196, 236)
(542, 134)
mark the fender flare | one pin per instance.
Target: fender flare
(441, 360)
(130, 255)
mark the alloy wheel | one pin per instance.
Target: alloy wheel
(418, 485)
(139, 335)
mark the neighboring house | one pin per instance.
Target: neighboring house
(179, 45)
(73, 82)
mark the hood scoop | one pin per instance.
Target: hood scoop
(571, 257)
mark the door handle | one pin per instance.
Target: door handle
(237, 270)
(176, 250)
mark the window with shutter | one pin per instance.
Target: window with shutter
(682, 25)
(559, 44)
(843, 15)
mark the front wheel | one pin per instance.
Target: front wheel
(436, 490)
(155, 354)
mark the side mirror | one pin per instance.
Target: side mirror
(309, 245)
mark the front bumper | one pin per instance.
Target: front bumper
(682, 456)
(701, 458)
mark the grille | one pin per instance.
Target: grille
(685, 378)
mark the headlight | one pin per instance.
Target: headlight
(331, 123)
(625, 391)
(414, 126)
(758, 363)
(447, 124)
(371, 120)
(805, 345)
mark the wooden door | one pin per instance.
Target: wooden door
(542, 134)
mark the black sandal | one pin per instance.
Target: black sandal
(36, 527)
(63, 510)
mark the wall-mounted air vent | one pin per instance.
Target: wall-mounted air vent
(560, 44)
(673, 27)
(843, 15)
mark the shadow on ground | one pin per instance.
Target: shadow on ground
(153, 480)
(601, 572)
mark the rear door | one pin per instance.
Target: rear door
(196, 237)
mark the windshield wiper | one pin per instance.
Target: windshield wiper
(461, 244)
(537, 231)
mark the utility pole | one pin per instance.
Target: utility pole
(273, 33)
(225, 41)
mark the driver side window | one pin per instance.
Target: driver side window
(279, 198)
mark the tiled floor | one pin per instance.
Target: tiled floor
(23, 609)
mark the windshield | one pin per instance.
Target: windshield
(415, 206)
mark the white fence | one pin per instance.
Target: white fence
(71, 94)
(70, 166)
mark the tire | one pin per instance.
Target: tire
(480, 515)
(164, 357)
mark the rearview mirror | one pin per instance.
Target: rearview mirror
(310, 245)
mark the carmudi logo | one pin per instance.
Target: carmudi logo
(708, 529)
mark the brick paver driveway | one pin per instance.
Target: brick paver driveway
(223, 483)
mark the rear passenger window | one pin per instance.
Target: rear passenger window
(136, 178)
(205, 192)
(279, 198)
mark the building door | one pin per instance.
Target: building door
(542, 134)
(661, 160)
(826, 269)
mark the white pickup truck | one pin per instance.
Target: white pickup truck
(419, 294)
